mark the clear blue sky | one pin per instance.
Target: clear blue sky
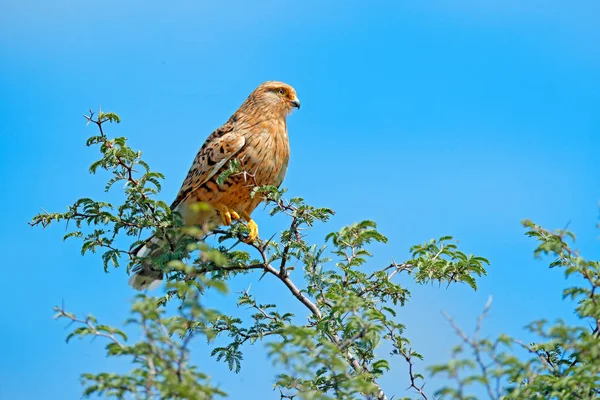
(430, 117)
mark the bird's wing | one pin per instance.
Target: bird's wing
(218, 149)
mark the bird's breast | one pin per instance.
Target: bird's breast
(267, 153)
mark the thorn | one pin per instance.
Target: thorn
(268, 241)
(235, 244)
(262, 276)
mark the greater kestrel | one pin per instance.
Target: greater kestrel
(256, 135)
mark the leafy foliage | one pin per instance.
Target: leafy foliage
(161, 367)
(564, 364)
(350, 306)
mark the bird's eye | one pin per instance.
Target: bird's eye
(281, 91)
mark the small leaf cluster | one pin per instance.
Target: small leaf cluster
(441, 261)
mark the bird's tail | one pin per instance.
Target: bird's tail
(146, 275)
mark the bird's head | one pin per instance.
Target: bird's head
(276, 97)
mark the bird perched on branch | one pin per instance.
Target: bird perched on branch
(256, 135)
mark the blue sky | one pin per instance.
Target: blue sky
(432, 118)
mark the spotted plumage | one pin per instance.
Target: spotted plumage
(256, 135)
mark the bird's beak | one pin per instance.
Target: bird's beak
(296, 103)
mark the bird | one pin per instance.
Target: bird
(256, 135)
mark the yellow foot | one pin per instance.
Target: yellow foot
(252, 228)
(226, 214)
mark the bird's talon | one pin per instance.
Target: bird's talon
(226, 218)
(252, 228)
(253, 232)
(226, 214)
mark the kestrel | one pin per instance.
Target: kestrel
(256, 135)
